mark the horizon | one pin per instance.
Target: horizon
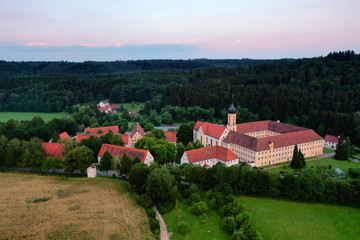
(81, 31)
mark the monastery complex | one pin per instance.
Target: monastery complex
(257, 143)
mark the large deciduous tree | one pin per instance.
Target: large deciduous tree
(80, 158)
(343, 149)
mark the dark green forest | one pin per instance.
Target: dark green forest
(321, 93)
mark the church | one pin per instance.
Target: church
(259, 143)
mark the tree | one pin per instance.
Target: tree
(159, 185)
(117, 140)
(106, 162)
(185, 134)
(100, 131)
(10, 125)
(138, 175)
(298, 160)
(342, 151)
(158, 134)
(55, 137)
(34, 154)
(265, 113)
(13, 153)
(198, 144)
(52, 163)
(125, 114)
(180, 149)
(148, 126)
(189, 146)
(125, 164)
(80, 158)
(93, 143)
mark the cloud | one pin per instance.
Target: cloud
(38, 44)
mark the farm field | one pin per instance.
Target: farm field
(18, 116)
(52, 207)
(198, 230)
(280, 219)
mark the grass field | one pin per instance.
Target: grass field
(5, 116)
(50, 207)
(328, 150)
(198, 230)
(133, 107)
(342, 164)
(280, 219)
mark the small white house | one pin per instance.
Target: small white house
(331, 141)
(91, 171)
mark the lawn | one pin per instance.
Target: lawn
(342, 164)
(198, 230)
(132, 107)
(328, 150)
(51, 207)
(280, 219)
(5, 116)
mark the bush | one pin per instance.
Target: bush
(232, 209)
(114, 175)
(154, 224)
(199, 208)
(145, 201)
(151, 213)
(229, 224)
(242, 218)
(238, 235)
(194, 198)
(183, 227)
(193, 189)
(354, 172)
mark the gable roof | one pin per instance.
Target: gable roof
(105, 108)
(170, 136)
(125, 138)
(137, 128)
(218, 152)
(53, 149)
(105, 130)
(332, 139)
(82, 136)
(210, 129)
(116, 151)
(64, 135)
(268, 125)
(105, 101)
(262, 144)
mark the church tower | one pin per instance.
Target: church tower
(231, 118)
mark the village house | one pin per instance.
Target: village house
(136, 133)
(104, 106)
(331, 141)
(64, 135)
(117, 151)
(260, 143)
(210, 156)
(104, 130)
(53, 149)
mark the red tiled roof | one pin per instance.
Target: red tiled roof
(125, 138)
(119, 151)
(105, 130)
(137, 128)
(64, 135)
(170, 136)
(210, 129)
(268, 125)
(331, 138)
(105, 108)
(115, 106)
(53, 149)
(283, 140)
(206, 153)
(82, 136)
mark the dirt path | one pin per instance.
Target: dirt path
(325, 155)
(164, 235)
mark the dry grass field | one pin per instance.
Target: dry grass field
(51, 207)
